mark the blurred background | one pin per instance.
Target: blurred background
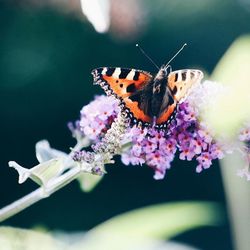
(47, 51)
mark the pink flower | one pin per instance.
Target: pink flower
(204, 160)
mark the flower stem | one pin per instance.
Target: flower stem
(40, 193)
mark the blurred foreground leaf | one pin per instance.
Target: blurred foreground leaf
(144, 228)
(226, 116)
(231, 108)
(19, 239)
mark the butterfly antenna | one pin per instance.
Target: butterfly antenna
(144, 53)
(175, 55)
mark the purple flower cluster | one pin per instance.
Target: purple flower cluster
(83, 155)
(185, 134)
(97, 116)
(156, 148)
(152, 147)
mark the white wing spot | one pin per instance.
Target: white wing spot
(131, 75)
(104, 71)
(117, 73)
(188, 76)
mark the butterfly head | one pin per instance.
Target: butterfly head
(167, 68)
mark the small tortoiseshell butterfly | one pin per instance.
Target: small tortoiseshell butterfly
(146, 99)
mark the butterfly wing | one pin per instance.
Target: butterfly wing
(126, 85)
(165, 118)
(179, 83)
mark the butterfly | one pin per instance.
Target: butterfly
(146, 99)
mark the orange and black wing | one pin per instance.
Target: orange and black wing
(179, 84)
(125, 84)
(165, 118)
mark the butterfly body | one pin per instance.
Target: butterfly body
(161, 96)
(147, 100)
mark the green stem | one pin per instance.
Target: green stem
(39, 194)
(45, 191)
(238, 199)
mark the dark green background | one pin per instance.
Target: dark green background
(45, 62)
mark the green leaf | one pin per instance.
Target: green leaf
(89, 181)
(146, 226)
(45, 153)
(19, 239)
(41, 173)
(231, 109)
